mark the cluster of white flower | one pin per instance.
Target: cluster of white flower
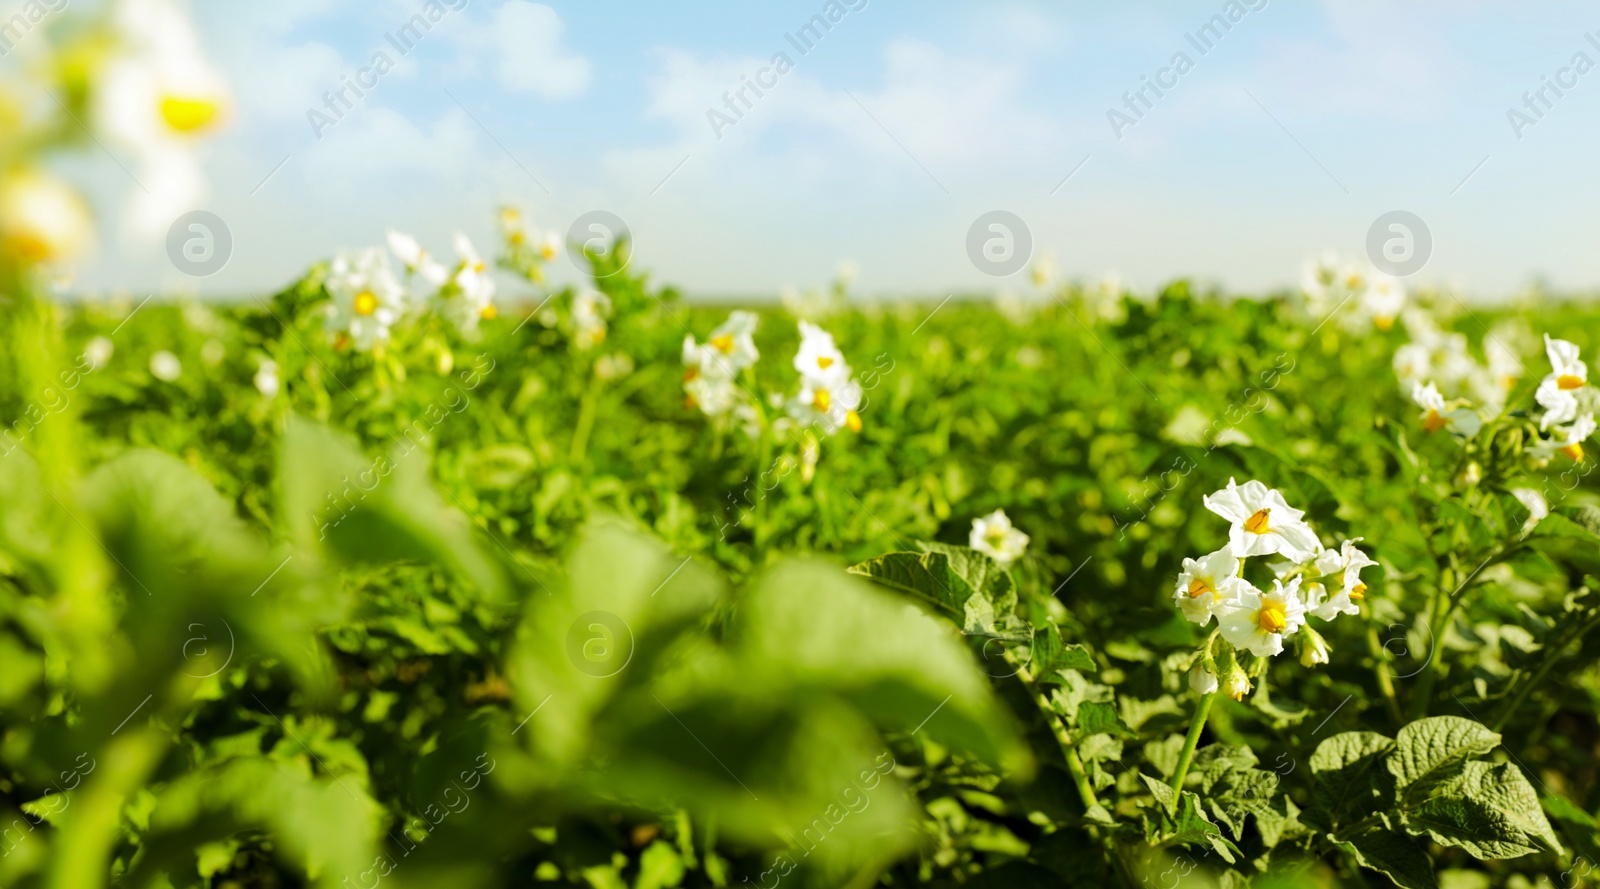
(1330, 283)
(367, 298)
(1568, 400)
(1323, 583)
(1437, 369)
(712, 368)
(829, 393)
(995, 536)
(518, 233)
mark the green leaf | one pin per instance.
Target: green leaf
(1570, 534)
(1489, 809)
(1350, 781)
(1099, 717)
(1160, 790)
(964, 585)
(1050, 655)
(808, 623)
(1397, 856)
(660, 867)
(1431, 750)
(375, 510)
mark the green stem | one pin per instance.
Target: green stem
(763, 464)
(1069, 752)
(585, 423)
(1538, 676)
(1196, 725)
(1391, 702)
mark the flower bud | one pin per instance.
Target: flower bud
(1313, 649)
(1203, 681)
(1237, 684)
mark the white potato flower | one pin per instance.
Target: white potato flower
(995, 536)
(165, 366)
(1258, 622)
(266, 378)
(1262, 522)
(98, 351)
(416, 260)
(730, 349)
(829, 395)
(1383, 299)
(157, 96)
(1437, 414)
(1568, 440)
(366, 301)
(590, 308)
(1346, 562)
(818, 360)
(1206, 584)
(42, 219)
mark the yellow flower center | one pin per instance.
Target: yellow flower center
(1433, 422)
(1257, 523)
(996, 537)
(824, 362)
(1574, 451)
(1385, 322)
(1569, 381)
(822, 400)
(366, 302)
(188, 115)
(853, 421)
(1199, 586)
(1272, 617)
(724, 343)
(548, 251)
(690, 374)
(488, 312)
(1359, 591)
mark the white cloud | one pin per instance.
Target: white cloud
(523, 40)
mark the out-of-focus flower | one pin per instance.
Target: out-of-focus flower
(213, 352)
(42, 220)
(1437, 414)
(416, 260)
(995, 536)
(366, 298)
(157, 97)
(829, 395)
(165, 366)
(590, 309)
(266, 378)
(1383, 300)
(98, 352)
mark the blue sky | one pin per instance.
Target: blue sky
(906, 122)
